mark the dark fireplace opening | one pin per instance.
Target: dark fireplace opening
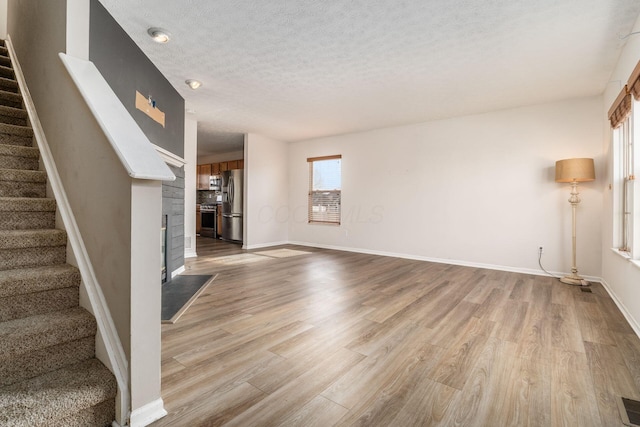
(163, 230)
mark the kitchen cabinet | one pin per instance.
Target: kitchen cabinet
(204, 172)
(219, 218)
(198, 220)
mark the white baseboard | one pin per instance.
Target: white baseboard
(147, 414)
(190, 253)
(265, 245)
(177, 271)
(623, 309)
(535, 272)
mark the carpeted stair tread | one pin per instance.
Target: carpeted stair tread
(16, 135)
(22, 183)
(19, 151)
(23, 176)
(24, 131)
(3, 50)
(7, 72)
(27, 204)
(35, 303)
(27, 220)
(8, 85)
(34, 333)
(10, 99)
(48, 399)
(32, 257)
(17, 239)
(38, 279)
(30, 365)
(11, 139)
(18, 113)
(100, 415)
(17, 157)
(25, 213)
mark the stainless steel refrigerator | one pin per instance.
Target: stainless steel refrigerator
(232, 204)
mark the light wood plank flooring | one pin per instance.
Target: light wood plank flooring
(336, 338)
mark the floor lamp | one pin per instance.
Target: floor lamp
(574, 171)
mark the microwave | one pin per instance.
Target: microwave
(215, 182)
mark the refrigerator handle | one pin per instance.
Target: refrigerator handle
(231, 190)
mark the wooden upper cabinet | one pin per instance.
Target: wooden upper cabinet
(204, 172)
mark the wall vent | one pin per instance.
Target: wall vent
(629, 411)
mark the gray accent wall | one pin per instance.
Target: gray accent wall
(127, 70)
(173, 207)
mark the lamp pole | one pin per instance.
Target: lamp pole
(574, 278)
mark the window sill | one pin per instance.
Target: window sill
(334, 224)
(627, 257)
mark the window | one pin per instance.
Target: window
(325, 187)
(624, 180)
(625, 122)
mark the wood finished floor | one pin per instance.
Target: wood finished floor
(337, 338)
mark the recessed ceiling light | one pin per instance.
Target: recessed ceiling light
(193, 84)
(159, 35)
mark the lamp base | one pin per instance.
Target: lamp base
(575, 280)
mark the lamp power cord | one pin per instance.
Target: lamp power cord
(541, 267)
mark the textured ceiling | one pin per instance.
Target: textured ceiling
(294, 70)
(211, 141)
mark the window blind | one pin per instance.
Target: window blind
(621, 108)
(634, 82)
(325, 188)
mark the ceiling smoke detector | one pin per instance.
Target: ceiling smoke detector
(193, 84)
(159, 35)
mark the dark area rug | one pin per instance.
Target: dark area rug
(179, 293)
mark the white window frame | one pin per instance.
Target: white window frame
(315, 216)
(626, 163)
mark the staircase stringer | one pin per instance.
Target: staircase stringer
(115, 357)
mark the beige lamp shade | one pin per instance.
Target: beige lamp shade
(579, 170)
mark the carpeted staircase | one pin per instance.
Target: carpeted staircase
(49, 375)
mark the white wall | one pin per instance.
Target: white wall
(473, 190)
(3, 18)
(222, 157)
(190, 177)
(266, 192)
(78, 12)
(146, 303)
(620, 275)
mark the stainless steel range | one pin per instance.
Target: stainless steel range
(208, 215)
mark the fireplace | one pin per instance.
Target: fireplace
(163, 231)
